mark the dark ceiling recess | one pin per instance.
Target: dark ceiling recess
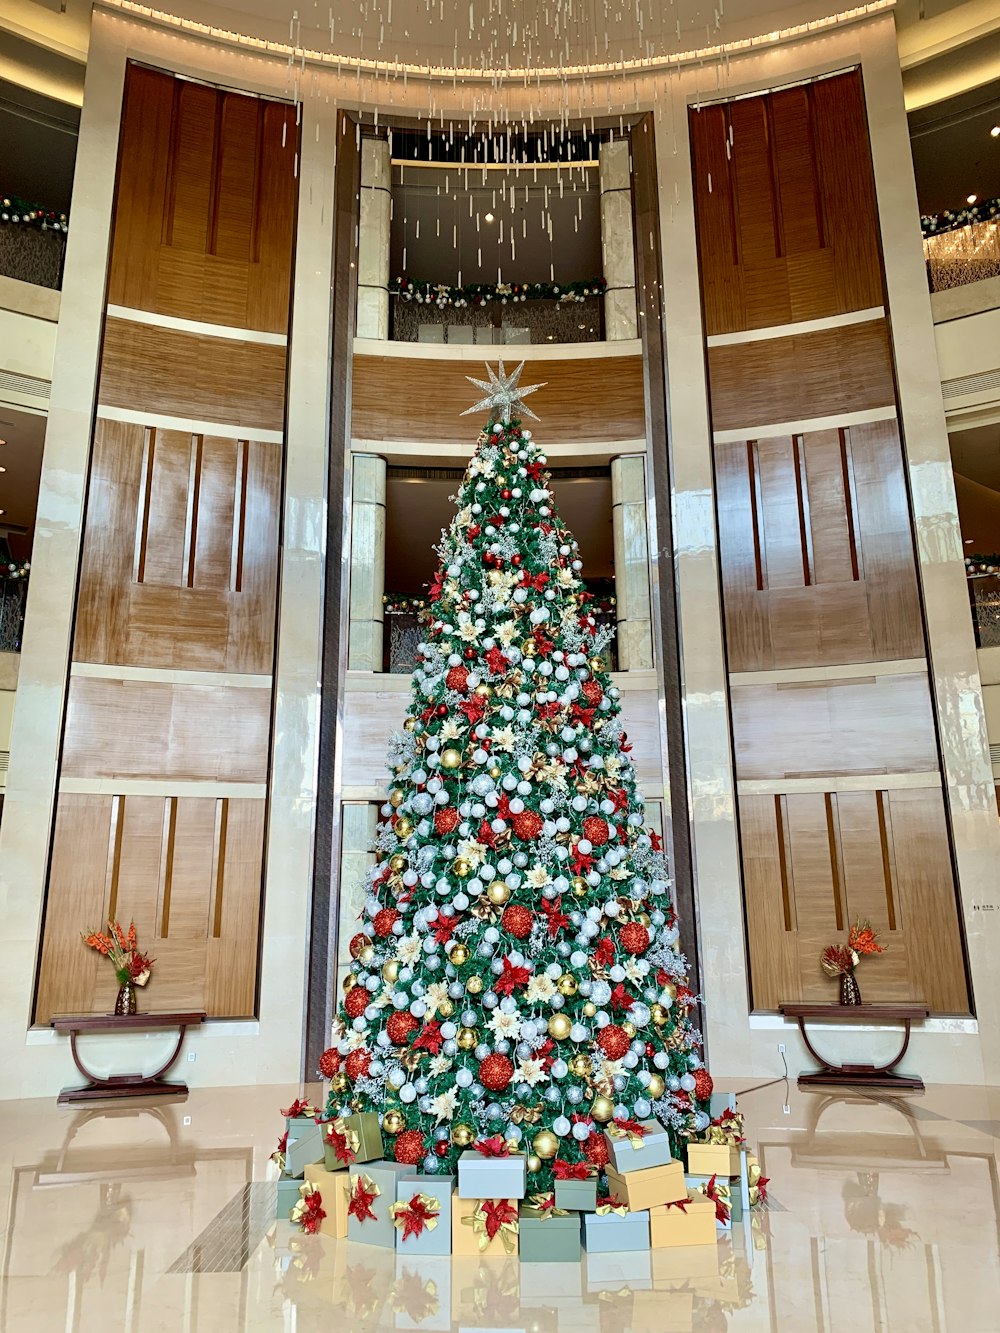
(954, 153)
(37, 147)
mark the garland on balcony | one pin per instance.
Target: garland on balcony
(481, 293)
(976, 565)
(12, 572)
(934, 224)
(14, 209)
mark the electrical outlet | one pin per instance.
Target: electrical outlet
(786, 1109)
(781, 1048)
(192, 1056)
(187, 1120)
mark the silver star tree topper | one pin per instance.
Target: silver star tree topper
(502, 395)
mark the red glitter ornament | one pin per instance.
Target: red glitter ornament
(441, 1147)
(596, 829)
(703, 1085)
(613, 1041)
(457, 679)
(634, 937)
(517, 921)
(357, 1064)
(356, 1001)
(400, 1025)
(329, 1062)
(358, 942)
(384, 921)
(496, 1072)
(446, 820)
(592, 691)
(596, 1150)
(527, 825)
(409, 1147)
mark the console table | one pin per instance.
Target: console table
(123, 1085)
(858, 1076)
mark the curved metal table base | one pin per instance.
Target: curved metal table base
(852, 1075)
(114, 1086)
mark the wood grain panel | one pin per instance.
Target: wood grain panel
(575, 404)
(806, 375)
(773, 948)
(181, 374)
(211, 625)
(870, 724)
(230, 990)
(145, 729)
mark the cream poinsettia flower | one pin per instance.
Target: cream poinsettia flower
(503, 739)
(505, 1025)
(467, 632)
(532, 1071)
(355, 1040)
(451, 730)
(540, 987)
(440, 1064)
(620, 872)
(505, 633)
(408, 950)
(636, 970)
(554, 773)
(566, 578)
(537, 877)
(472, 851)
(464, 517)
(435, 996)
(444, 1104)
(613, 768)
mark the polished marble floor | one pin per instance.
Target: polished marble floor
(885, 1218)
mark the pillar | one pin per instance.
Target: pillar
(631, 538)
(373, 240)
(617, 244)
(364, 644)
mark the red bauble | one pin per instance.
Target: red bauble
(469, 654)
(634, 937)
(596, 1150)
(329, 1062)
(650, 1050)
(442, 710)
(596, 829)
(458, 679)
(505, 494)
(496, 1072)
(703, 1085)
(592, 691)
(515, 559)
(517, 921)
(446, 820)
(527, 825)
(409, 1147)
(613, 1041)
(400, 1025)
(356, 1065)
(474, 530)
(384, 921)
(358, 942)
(441, 1147)
(356, 1001)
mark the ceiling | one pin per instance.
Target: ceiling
(21, 457)
(954, 154)
(38, 137)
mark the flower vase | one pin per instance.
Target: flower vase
(850, 991)
(127, 1001)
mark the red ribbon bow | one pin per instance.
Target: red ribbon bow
(570, 1170)
(631, 1127)
(497, 1213)
(361, 1201)
(682, 1204)
(339, 1141)
(299, 1108)
(722, 1208)
(416, 1215)
(493, 1147)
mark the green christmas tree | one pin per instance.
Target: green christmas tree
(517, 970)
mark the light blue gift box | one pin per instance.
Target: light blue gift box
(609, 1233)
(432, 1240)
(378, 1230)
(654, 1150)
(288, 1196)
(492, 1177)
(305, 1150)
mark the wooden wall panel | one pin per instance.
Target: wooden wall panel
(577, 395)
(206, 189)
(144, 729)
(179, 374)
(180, 575)
(805, 375)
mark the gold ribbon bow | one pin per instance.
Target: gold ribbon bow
(341, 1128)
(507, 1231)
(301, 1207)
(720, 1196)
(423, 1206)
(610, 1206)
(753, 1182)
(545, 1206)
(616, 1132)
(728, 1129)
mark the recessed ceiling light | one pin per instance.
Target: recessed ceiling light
(995, 132)
(2, 443)
(970, 541)
(971, 198)
(489, 217)
(3, 469)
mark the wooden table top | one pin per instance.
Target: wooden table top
(860, 1013)
(114, 1022)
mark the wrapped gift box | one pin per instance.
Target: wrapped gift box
(482, 1177)
(288, 1196)
(610, 1232)
(649, 1188)
(578, 1195)
(335, 1192)
(372, 1194)
(549, 1235)
(728, 1190)
(690, 1224)
(421, 1294)
(363, 1138)
(612, 1271)
(634, 1152)
(428, 1194)
(469, 1234)
(305, 1150)
(299, 1125)
(714, 1159)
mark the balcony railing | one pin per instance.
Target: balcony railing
(485, 313)
(32, 243)
(962, 247)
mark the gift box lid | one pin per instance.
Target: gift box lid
(652, 1133)
(543, 1209)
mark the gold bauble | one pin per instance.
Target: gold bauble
(656, 1087)
(338, 1083)
(403, 828)
(559, 1026)
(659, 1015)
(580, 891)
(461, 866)
(451, 758)
(467, 1039)
(533, 1164)
(498, 892)
(474, 985)
(393, 1122)
(671, 990)
(390, 970)
(446, 1008)
(602, 1109)
(484, 691)
(367, 956)
(596, 664)
(410, 724)
(581, 1066)
(579, 885)
(545, 1144)
(567, 984)
(494, 771)
(628, 1028)
(589, 1009)
(458, 954)
(643, 917)
(396, 798)
(350, 981)
(462, 1136)
(397, 862)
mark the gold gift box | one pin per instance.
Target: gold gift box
(693, 1225)
(713, 1159)
(465, 1237)
(648, 1188)
(334, 1191)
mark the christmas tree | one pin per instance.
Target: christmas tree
(517, 970)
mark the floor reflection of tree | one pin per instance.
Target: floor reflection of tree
(867, 1213)
(88, 1252)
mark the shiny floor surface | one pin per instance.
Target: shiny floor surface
(884, 1219)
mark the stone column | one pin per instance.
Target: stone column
(357, 825)
(364, 644)
(373, 240)
(631, 537)
(617, 243)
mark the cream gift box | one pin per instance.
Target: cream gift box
(470, 1224)
(334, 1191)
(649, 1188)
(686, 1222)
